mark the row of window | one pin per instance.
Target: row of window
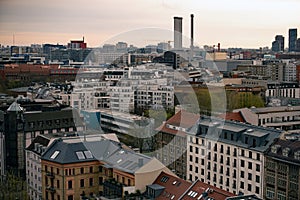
(221, 161)
(222, 150)
(214, 180)
(221, 171)
(69, 172)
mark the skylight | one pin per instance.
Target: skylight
(88, 154)
(54, 155)
(80, 155)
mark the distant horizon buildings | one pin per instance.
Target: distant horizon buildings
(278, 44)
(292, 39)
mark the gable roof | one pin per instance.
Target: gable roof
(15, 107)
(182, 119)
(202, 191)
(173, 186)
(233, 116)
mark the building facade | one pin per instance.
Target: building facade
(91, 167)
(171, 141)
(22, 123)
(229, 156)
(282, 169)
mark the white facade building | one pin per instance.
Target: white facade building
(230, 157)
(33, 165)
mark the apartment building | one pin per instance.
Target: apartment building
(282, 117)
(21, 123)
(91, 167)
(171, 141)
(229, 155)
(154, 96)
(283, 90)
(33, 165)
(282, 169)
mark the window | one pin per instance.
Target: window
(191, 167)
(242, 163)
(270, 193)
(281, 195)
(242, 174)
(100, 180)
(191, 158)
(91, 181)
(257, 190)
(197, 150)
(196, 160)
(196, 169)
(81, 183)
(91, 169)
(242, 185)
(249, 176)
(70, 185)
(100, 168)
(257, 167)
(249, 187)
(81, 170)
(70, 197)
(250, 154)
(191, 148)
(57, 184)
(257, 179)
(249, 165)
(257, 156)
(243, 152)
(228, 151)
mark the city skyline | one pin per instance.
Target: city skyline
(232, 23)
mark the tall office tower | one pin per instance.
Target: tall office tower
(177, 32)
(292, 39)
(278, 44)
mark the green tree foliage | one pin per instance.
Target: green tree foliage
(13, 188)
(216, 100)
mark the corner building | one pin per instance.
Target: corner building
(229, 155)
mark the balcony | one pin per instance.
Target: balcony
(50, 189)
(50, 174)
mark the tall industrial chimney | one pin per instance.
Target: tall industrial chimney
(192, 31)
(177, 32)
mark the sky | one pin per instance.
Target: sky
(233, 23)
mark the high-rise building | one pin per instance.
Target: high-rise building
(292, 39)
(177, 32)
(298, 45)
(278, 44)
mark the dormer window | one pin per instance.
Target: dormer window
(286, 152)
(275, 148)
(297, 155)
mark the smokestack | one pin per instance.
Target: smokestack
(192, 31)
(177, 32)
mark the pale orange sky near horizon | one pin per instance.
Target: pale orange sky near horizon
(233, 23)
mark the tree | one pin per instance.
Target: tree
(13, 188)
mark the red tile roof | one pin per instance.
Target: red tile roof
(233, 116)
(173, 186)
(181, 119)
(199, 188)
